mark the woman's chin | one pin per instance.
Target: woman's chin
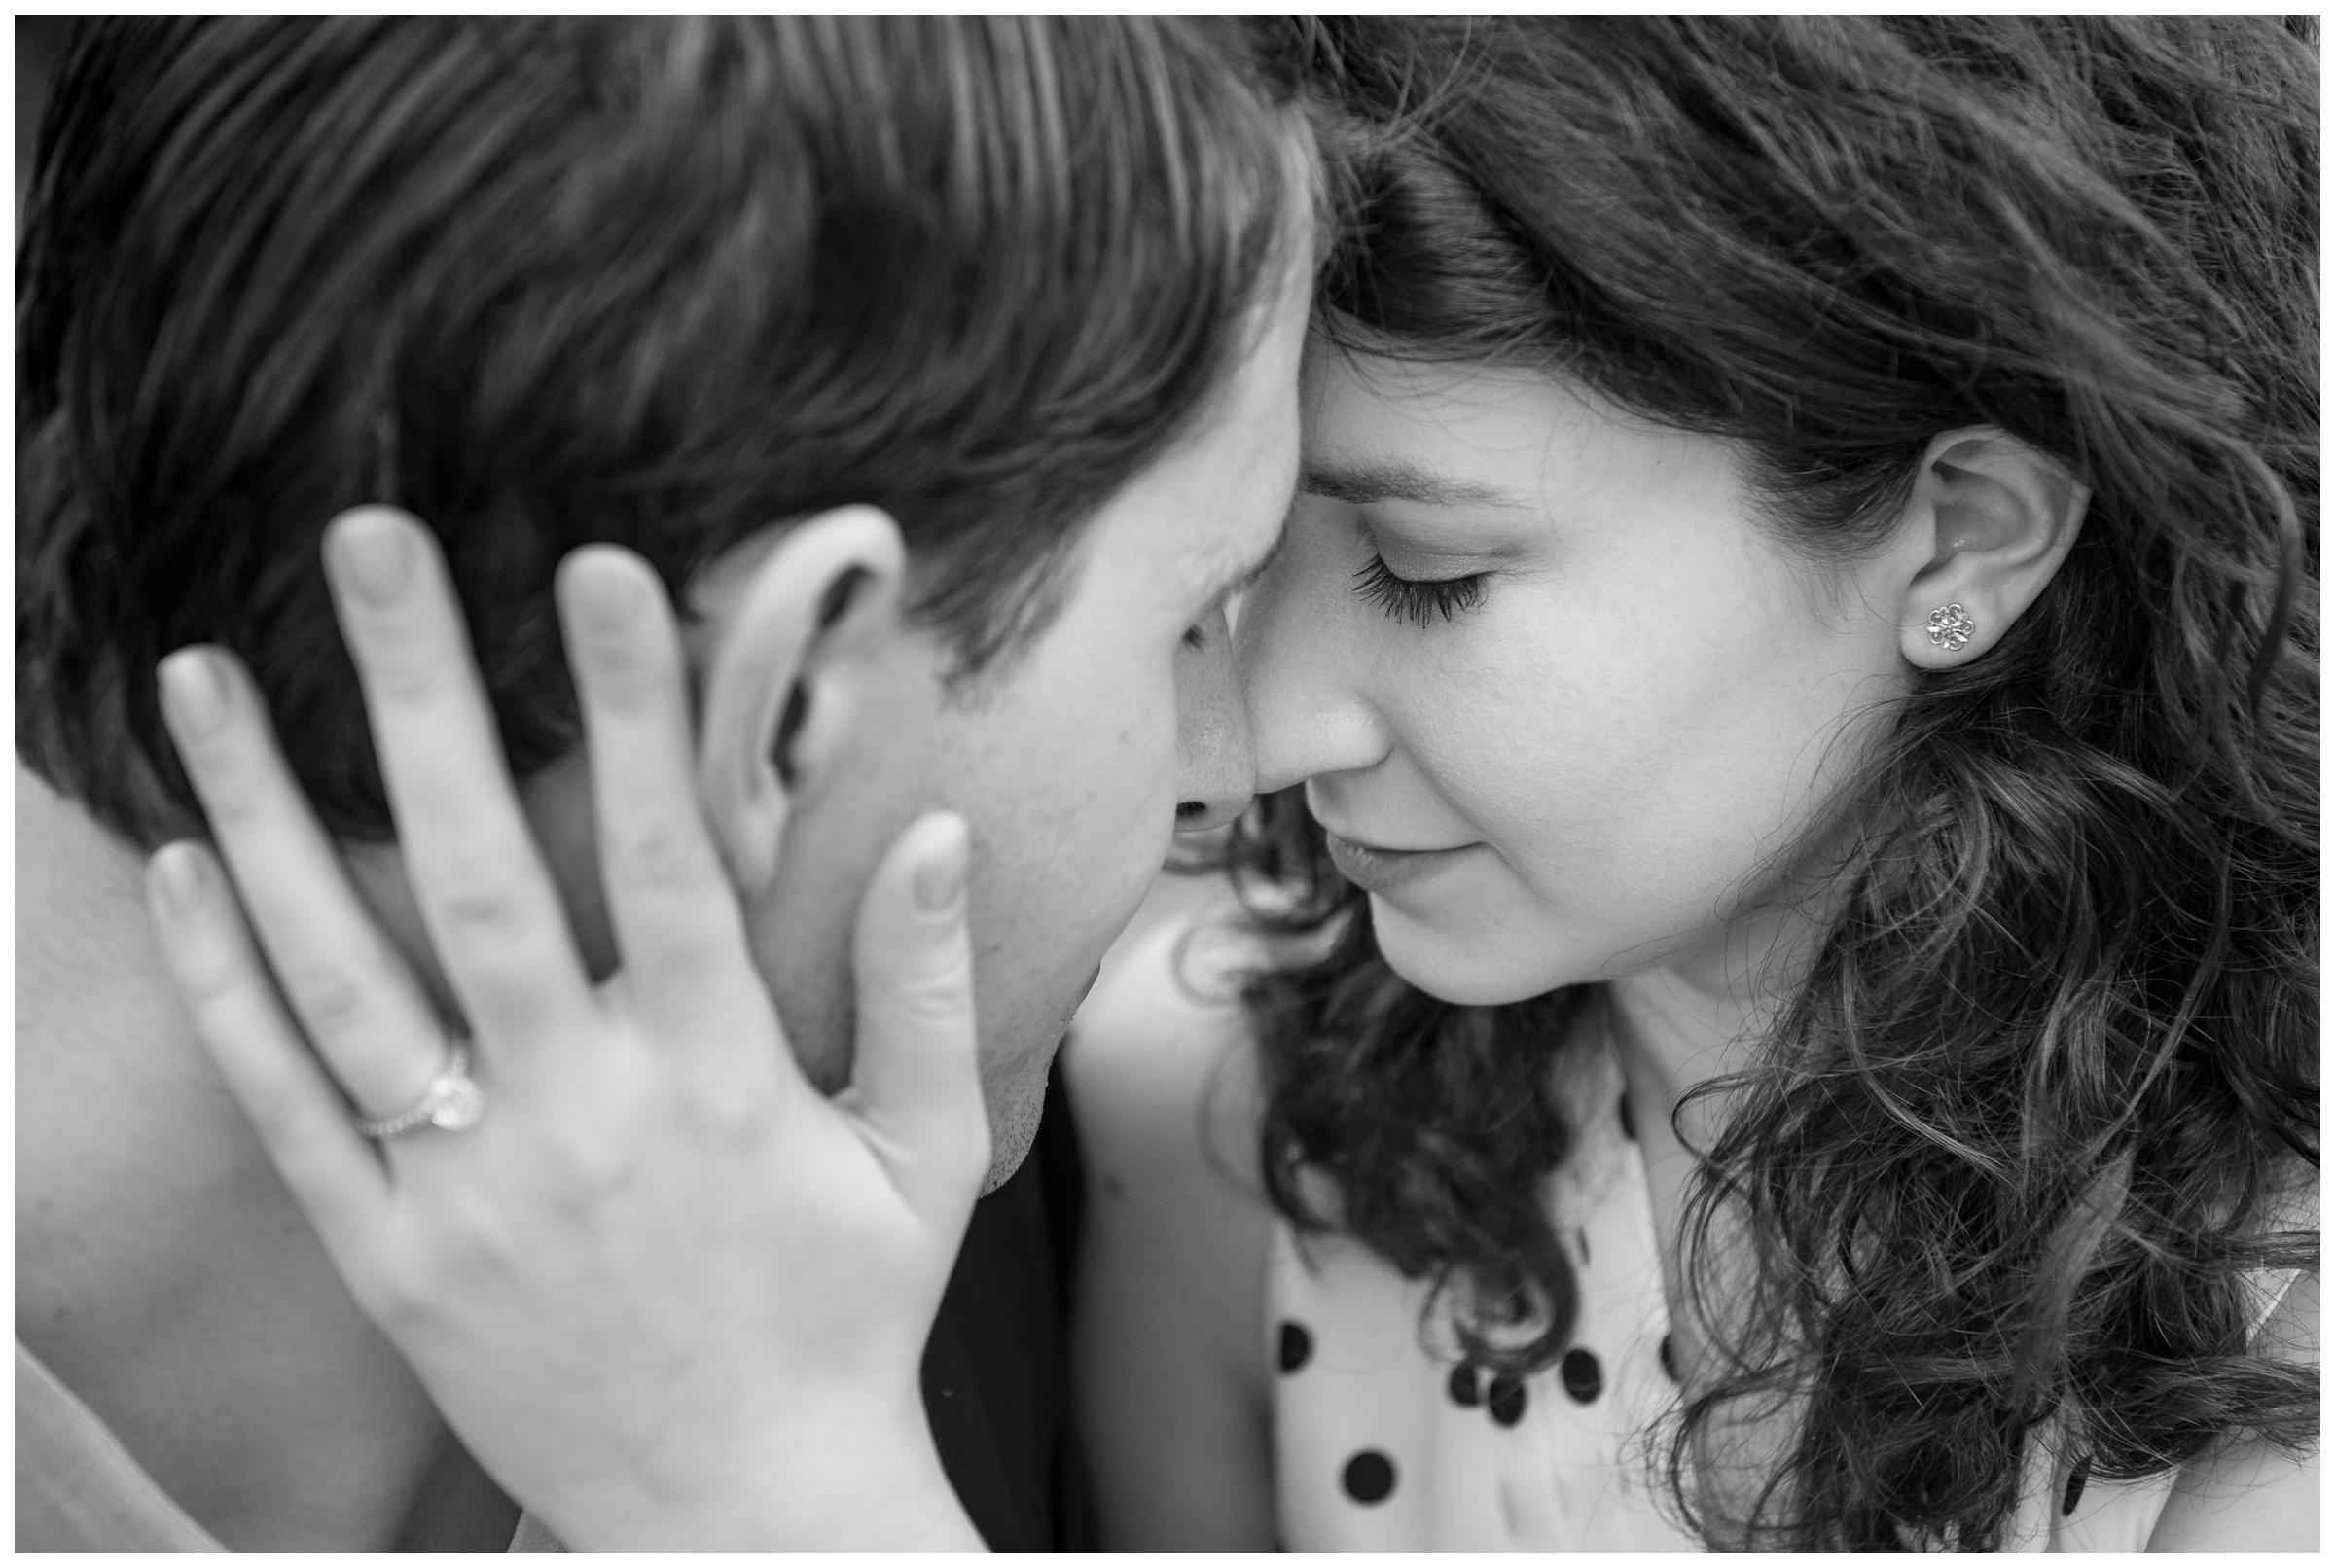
(1472, 968)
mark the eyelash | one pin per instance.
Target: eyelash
(1417, 599)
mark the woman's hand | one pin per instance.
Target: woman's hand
(671, 1296)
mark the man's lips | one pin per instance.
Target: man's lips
(1375, 868)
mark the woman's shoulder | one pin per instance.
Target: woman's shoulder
(1160, 1064)
(2250, 1495)
(1168, 1338)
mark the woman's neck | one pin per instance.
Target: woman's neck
(1701, 1014)
(1676, 1027)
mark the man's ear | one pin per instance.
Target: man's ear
(787, 627)
(2001, 518)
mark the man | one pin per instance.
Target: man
(705, 290)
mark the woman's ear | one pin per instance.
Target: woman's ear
(787, 627)
(2001, 517)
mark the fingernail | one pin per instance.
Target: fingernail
(193, 690)
(375, 556)
(940, 881)
(607, 596)
(178, 876)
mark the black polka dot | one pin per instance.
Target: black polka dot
(1506, 1397)
(2077, 1477)
(1297, 1347)
(1583, 1376)
(1669, 1359)
(1628, 1127)
(1463, 1389)
(1369, 1476)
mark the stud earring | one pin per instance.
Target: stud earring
(1950, 627)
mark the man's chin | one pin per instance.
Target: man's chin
(1017, 1102)
(1014, 1089)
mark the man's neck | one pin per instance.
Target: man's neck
(162, 1273)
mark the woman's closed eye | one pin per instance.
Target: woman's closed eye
(1418, 599)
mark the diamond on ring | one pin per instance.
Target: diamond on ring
(1950, 627)
(453, 1102)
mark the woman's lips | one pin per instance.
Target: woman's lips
(1375, 870)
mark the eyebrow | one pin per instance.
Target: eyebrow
(1362, 483)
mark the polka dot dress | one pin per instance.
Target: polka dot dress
(1385, 1445)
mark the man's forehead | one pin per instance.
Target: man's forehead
(1238, 473)
(1214, 554)
(1231, 558)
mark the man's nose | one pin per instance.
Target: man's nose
(1216, 770)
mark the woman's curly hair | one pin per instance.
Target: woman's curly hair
(2049, 1093)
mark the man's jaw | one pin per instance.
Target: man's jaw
(1015, 1094)
(1016, 1106)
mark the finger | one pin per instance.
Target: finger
(669, 900)
(493, 915)
(301, 1118)
(916, 1082)
(349, 988)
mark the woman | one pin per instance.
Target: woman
(1797, 1024)
(1800, 647)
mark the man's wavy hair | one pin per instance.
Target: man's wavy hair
(2037, 1110)
(668, 282)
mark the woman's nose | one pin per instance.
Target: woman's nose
(1304, 665)
(1216, 768)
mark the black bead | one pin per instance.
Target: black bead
(1369, 1476)
(1297, 1347)
(1462, 1386)
(1507, 1400)
(1583, 1377)
(1669, 1359)
(2077, 1477)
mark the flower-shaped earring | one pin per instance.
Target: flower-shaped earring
(1950, 627)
